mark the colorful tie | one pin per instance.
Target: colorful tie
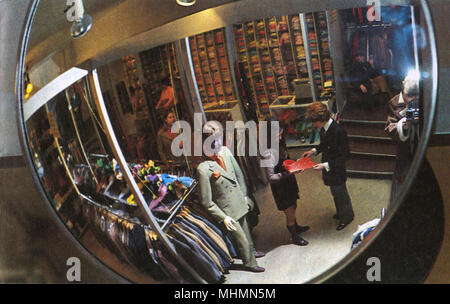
(221, 163)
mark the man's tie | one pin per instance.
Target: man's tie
(322, 132)
(219, 160)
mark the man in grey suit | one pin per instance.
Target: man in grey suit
(223, 193)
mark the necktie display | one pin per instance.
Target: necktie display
(174, 204)
(221, 163)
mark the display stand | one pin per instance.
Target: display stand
(149, 218)
(211, 66)
(300, 133)
(276, 51)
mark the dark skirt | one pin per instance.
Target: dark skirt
(285, 192)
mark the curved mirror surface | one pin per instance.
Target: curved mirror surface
(117, 121)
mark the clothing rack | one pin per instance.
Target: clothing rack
(98, 155)
(179, 204)
(368, 26)
(89, 200)
(175, 208)
(81, 166)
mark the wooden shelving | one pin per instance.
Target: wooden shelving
(324, 48)
(299, 133)
(273, 53)
(212, 73)
(314, 51)
(298, 48)
(211, 67)
(135, 89)
(157, 63)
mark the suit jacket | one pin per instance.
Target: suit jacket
(335, 150)
(361, 73)
(195, 256)
(215, 238)
(227, 194)
(200, 242)
(209, 242)
(224, 235)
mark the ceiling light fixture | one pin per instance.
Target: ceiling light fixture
(82, 22)
(186, 2)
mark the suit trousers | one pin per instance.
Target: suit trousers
(244, 242)
(343, 203)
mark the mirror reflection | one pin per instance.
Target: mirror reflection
(341, 88)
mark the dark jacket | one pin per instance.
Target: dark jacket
(361, 73)
(335, 150)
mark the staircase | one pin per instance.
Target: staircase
(372, 151)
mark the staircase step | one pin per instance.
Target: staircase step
(380, 147)
(364, 129)
(369, 164)
(378, 114)
(368, 174)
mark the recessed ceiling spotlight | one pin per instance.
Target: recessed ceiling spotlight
(82, 22)
(186, 2)
(81, 27)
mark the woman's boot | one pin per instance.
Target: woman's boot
(296, 239)
(300, 229)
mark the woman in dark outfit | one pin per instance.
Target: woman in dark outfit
(284, 187)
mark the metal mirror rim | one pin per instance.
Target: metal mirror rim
(419, 155)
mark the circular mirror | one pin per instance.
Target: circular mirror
(316, 116)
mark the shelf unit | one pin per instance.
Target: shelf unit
(211, 65)
(300, 133)
(135, 89)
(277, 60)
(314, 51)
(324, 48)
(155, 66)
(241, 50)
(298, 48)
(276, 51)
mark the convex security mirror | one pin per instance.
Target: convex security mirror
(115, 132)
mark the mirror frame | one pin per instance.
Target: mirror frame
(326, 4)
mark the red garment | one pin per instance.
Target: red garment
(172, 135)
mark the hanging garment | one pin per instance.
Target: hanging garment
(195, 256)
(224, 235)
(102, 223)
(198, 239)
(380, 50)
(224, 260)
(112, 231)
(170, 264)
